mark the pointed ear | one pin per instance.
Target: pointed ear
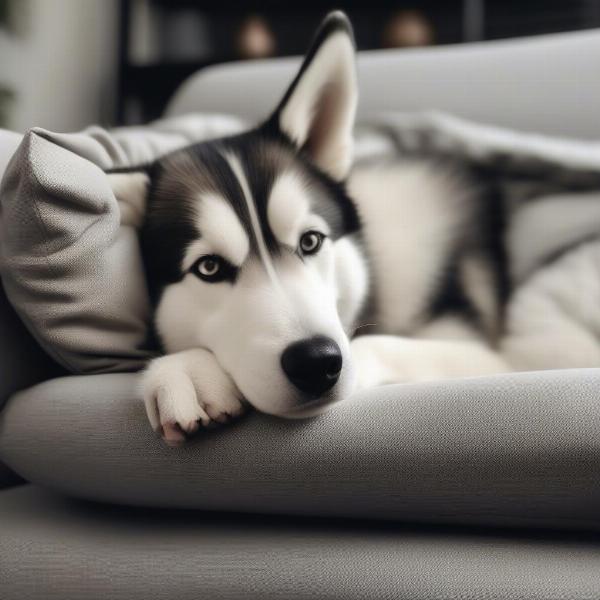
(131, 191)
(318, 110)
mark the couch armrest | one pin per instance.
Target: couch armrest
(519, 449)
(546, 84)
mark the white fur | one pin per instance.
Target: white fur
(449, 328)
(384, 359)
(226, 340)
(477, 279)
(248, 325)
(554, 318)
(181, 390)
(130, 190)
(410, 213)
(236, 167)
(222, 233)
(274, 302)
(320, 113)
(288, 208)
(352, 279)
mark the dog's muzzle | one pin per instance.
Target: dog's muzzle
(313, 365)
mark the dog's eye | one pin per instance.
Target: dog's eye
(311, 242)
(212, 268)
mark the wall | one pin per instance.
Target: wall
(60, 62)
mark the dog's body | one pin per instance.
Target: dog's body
(266, 255)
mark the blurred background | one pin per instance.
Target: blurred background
(67, 63)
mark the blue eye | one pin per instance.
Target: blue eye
(311, 242)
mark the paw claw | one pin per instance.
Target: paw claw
(173, 435)
(185, 391)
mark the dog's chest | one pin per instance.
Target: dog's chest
(412, 215)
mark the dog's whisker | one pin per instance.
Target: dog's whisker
(362, 326)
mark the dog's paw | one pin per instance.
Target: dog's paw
(369, 369)
(383, 359)
(185, 390)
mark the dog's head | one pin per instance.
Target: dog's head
(249, 241)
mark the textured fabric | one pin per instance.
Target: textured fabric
(72, 272)
(547, 84)
(22, 361)
(519, 449)
(53, 549)
(552, 159)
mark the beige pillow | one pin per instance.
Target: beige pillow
(72, 272)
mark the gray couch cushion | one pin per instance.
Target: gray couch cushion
(71, 271)
(53, 549)
(520, 449)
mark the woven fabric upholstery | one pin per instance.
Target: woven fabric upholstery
(521, 449)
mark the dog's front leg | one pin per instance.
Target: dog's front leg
(381, 359)
(186, 389)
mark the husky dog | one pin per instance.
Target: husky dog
(266, 252)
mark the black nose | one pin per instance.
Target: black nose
(313, 365)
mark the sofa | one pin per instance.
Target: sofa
(477, 488)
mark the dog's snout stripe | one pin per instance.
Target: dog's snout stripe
(237, 169)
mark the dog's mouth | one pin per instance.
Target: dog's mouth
(296, 394)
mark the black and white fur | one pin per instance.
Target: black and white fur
(415, 254)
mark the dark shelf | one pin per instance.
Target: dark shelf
(317, 6)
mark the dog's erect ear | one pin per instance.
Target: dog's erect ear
(131, 191)
(317, 112)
